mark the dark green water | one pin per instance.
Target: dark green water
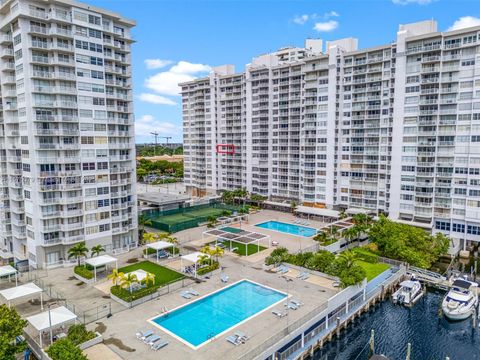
(431, 337)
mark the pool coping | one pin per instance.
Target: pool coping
(284, 232)
(287, 295)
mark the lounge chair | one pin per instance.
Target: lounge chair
(193, 292)
(305, 276)
(159, 344)
(151, 340)
(224, 278)
(278, 313)
(291, 306)
(300, 275)
(233, 339)
(241, 335)
(284, 270)
(141, 335)
(296, 302)
(185, 295)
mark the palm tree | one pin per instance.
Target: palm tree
(212, 222)
(293, 207)
(348, 257)
(96, 250)
(150, 237)
(351, 233)
(149, 277)
(143, 221)
(321, 237)
(115, 276)
(217, 252)
(208, 254)
(78, 251)
(127, 280)
(342, 215)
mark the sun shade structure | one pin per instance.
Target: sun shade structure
(8, 270)
(324, 213)
(47, 320)
(239, 236)
(101, 261)
(139, 274)
(194, 258)
(21, 291)
(159, 245)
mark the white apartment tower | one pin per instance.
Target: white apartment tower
(393, 129)
(67, 153)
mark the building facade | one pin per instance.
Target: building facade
(67, 152)
(393, 129)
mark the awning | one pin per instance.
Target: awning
(194, 257)
(159, 245)
(415, 223)
(7, 270)
(20, 291)
(279, 204)
(58, 316)
(355, 211)
(317, 211)
(101, 260)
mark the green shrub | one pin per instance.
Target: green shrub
(128, 296)
(300, 259)
(78, 334)
(83, 272)
(277, 256)
(365, 255)
(321, 261)
(205, 270)
(65, 349)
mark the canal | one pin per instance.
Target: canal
(432, 338)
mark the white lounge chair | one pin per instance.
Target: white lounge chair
(151, 339)
(278, 313)
(233, 339)
(241, 335)
(141, 335)
(159, 344)
(193, 292)
(224, 278)
(185, 295)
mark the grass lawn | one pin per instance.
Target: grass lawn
(162, 274)
(372, 270)
(242, 248)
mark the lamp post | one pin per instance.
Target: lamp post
(288, 280)
(50, 322)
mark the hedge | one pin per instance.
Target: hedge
(366, 255)
(83, 272)
(78, 334)
(65, 349)
(128, 296)
(205, 270)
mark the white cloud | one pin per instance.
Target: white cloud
(407, 2)
(326, 26)
(166, 82)
(156, 99)
(148, 124)
(157, 63)
(331, 14)
(301, 19)
(464, 22)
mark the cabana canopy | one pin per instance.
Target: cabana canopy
(100, 261)
(159, 245)
(8, 270)
(193, 258)
(18, 292)
(140, 274)
(237, 236)
(317, 211)
(58, 316)
(47, 320)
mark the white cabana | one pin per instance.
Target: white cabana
(47, 320)
(139, 274)
(193, 258)
(160, 245)
(21, 291)
(101, 261)
(317, 211)
(8, 270)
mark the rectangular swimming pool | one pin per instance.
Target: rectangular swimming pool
(198, 322)
(288, 228)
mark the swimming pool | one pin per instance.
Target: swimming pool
(288, 228)
(198, 322)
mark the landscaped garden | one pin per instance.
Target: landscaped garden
(128, 287)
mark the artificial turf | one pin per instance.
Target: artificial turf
(162, 274)
(372, 270)
(242, 248)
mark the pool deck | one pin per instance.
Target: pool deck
(122, 326)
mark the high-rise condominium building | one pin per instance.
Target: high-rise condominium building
(393, 129)
(67, 162)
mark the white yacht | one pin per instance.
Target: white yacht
(409, 293)
(461, 300)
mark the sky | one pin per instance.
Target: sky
(180, 40)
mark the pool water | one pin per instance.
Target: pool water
(288, 228)
(201, 320)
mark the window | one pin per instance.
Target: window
(88, 166)
(458, 228)
(92, 19)
(442, 225)
(96, 61)
(97, 74)
(95, 33)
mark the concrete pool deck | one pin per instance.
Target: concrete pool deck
(122, 326)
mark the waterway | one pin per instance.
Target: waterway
(432, 338)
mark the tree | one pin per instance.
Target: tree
(342, 215)
(96, 250)
(351, 276)
(212, 221)
(11, 326)
(293, 207)
(217, 252)
(348, 258)
(321, 261)
(149, 278)
(127, 280)
(115, 276)
(321, 237)
(351, 233)
(149, 237)
(143, 221)
(65, 349)
(78, 251)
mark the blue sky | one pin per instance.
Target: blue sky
(182, 39)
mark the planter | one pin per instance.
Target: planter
(96, 340)
(86, 281)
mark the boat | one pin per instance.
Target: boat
(461, 301)
(409, 293)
